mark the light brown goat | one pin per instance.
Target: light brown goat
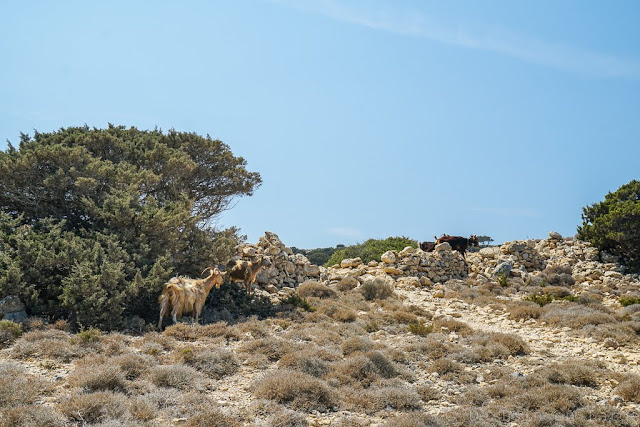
(246, 271)
(184, 295)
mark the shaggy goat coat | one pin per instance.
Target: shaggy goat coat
(184, 295)
(246, 271)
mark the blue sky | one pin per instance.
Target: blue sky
(366, 119)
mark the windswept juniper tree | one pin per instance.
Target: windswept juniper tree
(93, 221)
(614, 224)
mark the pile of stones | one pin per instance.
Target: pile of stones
(287, 269)
(409, 266)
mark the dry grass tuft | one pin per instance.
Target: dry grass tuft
(574, 316)
(305, 361)
(176, 376)
(375, 399)
(377, 288)
(415, 419)
(253, 327)
(524, 310)
(297, 389)
(97, 374)
(19, 388)
(287, 418)
(629, 388)
(95, 407)
(347, 283)
(313, 288)
(213, 418)
(354, 344)
(215, 363)
(272, 348)
(31, 416)
(51, 343)
(450, 325)
(581, 373)
(142, 408)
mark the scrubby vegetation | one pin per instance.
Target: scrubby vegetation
(361, 357)
(614, 224)
(94, 221)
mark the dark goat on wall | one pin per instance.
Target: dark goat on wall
(459, 243)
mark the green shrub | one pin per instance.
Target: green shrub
(626, 301)
(371, 250)
(9, 331)
(296, 300)
(88, 336)
(614, 224)
(94, 221)
(318, 256)
(420, 328)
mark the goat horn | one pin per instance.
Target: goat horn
(208, 268)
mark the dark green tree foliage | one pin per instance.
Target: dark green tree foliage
(318, 256)
(371, 250)
(94, 221)
(614, 224)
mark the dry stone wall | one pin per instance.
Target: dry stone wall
(413, 267)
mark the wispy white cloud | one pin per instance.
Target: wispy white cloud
(346, 232)
(417, 24)
(510, 212)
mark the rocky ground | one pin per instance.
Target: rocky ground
(416, 339)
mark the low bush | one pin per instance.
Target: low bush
(287, 418)
(581, 373)
(142, 408)
(18, 388)
(97, 374)
(347, 283)
(629, 388)
(377, 288)
(558, 275)
(213, 418)
(95, 407)
(627, 301)
(51, 343)
(420, 328)
(273, 348)
(132, 365)
(450, 325)
(574, 316)
(176, 376)
(299, 390)
(295, 300)
(337, 311)
(313, 288)
(353, 344)
(375, 399)
(30, 416)
(216, 363)
(306, 362)
(524, 310)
